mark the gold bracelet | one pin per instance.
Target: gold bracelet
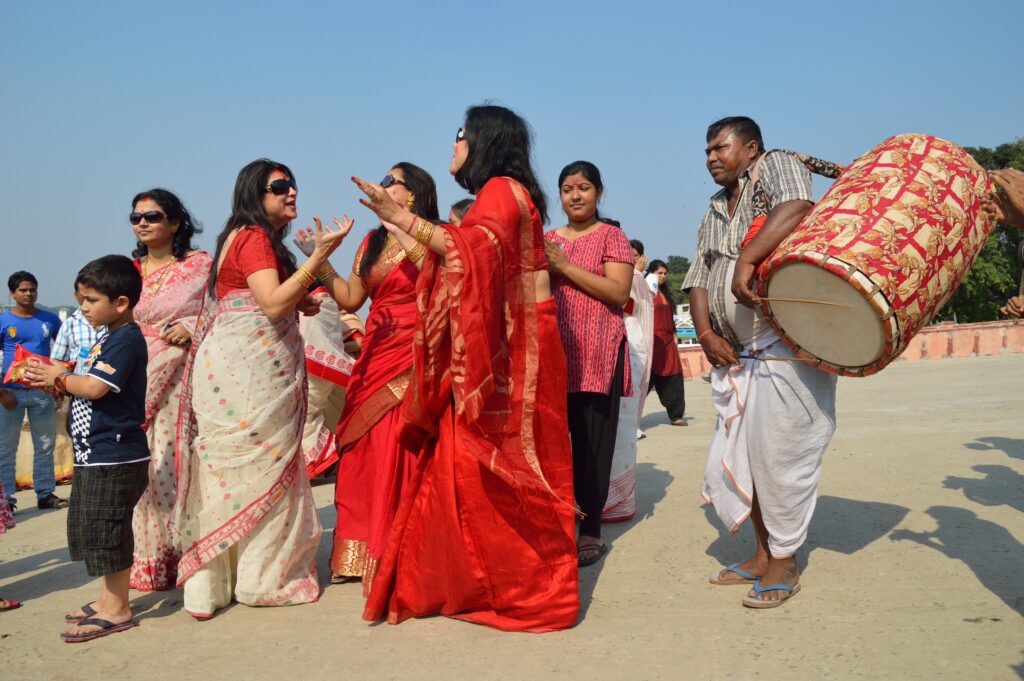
(424, 230)
(417, 252)
(327, 271)
(304, 277)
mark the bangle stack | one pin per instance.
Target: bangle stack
(424, 230)
(417, 252)
(327, 271)
(304, 277)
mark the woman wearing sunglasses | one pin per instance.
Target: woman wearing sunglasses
(174, 277)
(484, 530)
(244, 513)
(374, 465)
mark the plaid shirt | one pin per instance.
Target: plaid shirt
(784, 178)
(75, 339)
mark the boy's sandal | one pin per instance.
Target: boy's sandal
(106, 628)
(52, 501)
(9, 604)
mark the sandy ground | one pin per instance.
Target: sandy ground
(913, 570)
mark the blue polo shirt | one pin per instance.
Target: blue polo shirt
(35, 334)
(109, 431)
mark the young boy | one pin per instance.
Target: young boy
(111, 451)
(76, 338)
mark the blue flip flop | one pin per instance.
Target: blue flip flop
(735, 568)
(106, 628)
(755, 602)
(87, 609)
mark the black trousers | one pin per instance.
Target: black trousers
(593, 420)
(671, 394)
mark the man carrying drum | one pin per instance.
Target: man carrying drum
(776, 413)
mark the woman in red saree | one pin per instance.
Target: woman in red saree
(174, 277)
(374, 464)
(484, 530)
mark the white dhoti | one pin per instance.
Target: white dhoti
(775, 420)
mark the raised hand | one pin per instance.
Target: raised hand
(304, 240)
(325, 239)
(381, 203)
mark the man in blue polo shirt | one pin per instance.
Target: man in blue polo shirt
(34, 330)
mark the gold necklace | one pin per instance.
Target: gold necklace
(155, 286)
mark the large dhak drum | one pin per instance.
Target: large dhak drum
(879, 255)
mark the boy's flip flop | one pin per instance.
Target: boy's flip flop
(747, 577)
(11, 604)
(755, 602)
(108, 628)
(75, 619)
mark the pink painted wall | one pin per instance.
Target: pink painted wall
(934, 342)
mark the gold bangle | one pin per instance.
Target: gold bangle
(417, 252)
(424, 230)
(327, 271)
(304, 276)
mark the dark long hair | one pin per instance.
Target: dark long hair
(655, 265)
(174, 209)
(424, 204)
(247, 211)
(590, 173)
(499, 146)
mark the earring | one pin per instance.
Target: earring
(410, 201)
(174, 230)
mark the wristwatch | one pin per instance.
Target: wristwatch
(59, 382)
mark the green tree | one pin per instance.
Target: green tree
(995, 275)
(678, 266)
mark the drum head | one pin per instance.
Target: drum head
(849, 334)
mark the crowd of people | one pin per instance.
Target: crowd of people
(491, 400)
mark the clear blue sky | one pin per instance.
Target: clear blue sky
(101, 100)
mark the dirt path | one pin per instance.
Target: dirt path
(913, 570)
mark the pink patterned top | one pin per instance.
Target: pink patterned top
(592, 331)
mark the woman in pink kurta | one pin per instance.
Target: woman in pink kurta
(593, 270)
(174, 277)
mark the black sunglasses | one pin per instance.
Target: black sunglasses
(281, 187)
(460, 135)
(390, 180)
(150, 216)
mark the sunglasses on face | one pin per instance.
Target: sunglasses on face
(460, 135)
(390, 180)
(150, 216)
(281, 187)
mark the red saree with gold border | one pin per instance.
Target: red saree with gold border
(484, 531)
(374, 464)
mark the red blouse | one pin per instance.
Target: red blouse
(592, 331)
(251, 251)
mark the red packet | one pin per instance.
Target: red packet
(22, 357)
